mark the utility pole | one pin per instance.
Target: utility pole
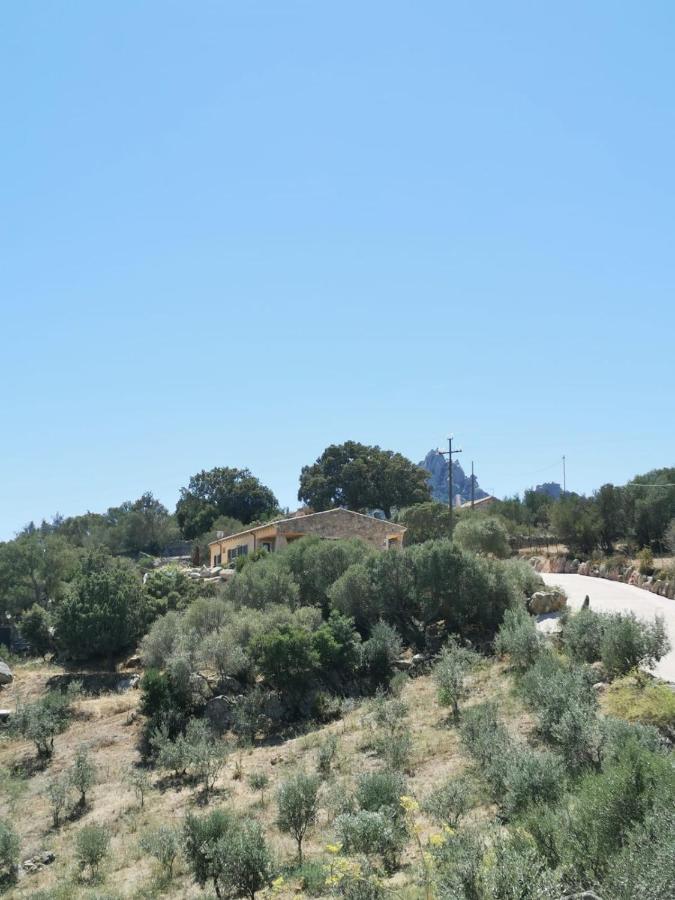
(449, 453)
(473, 490)
(564, 478)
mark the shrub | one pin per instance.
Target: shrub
(43, 719)
(297, 802)
(628, 643)
(259, 781)
(381, 792)
(485, 738)
(326, 755)
(447, 804)
(220, 651)
(139, 781)
(240, 861)
(454, 663)
(313, 876)
(205, 755)
(518, 638)
(643, 868)
(483, 534)
(9, 851)
(381, 651)
(57, 793)
(519, 872)
(163, 844)
(287, 658)
(582, 635)
(457, 863)
(91, 847)
(529, 776)
(159, 643)
(371, 833)
(552, 688)
(201, 835)
(646, 561)
(82, 775)
(35, 628)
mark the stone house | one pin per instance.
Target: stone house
(333, 525)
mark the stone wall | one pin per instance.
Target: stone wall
(561, 565)
(342, 523)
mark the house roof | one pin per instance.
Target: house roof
(394, 526)
(467, 505)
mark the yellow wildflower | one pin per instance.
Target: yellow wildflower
(437, 840)
(409, 804)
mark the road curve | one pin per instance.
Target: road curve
(613, 596)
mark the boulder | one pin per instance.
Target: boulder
(546, 602)
(219, 711)
(6, 676)
(134, 662)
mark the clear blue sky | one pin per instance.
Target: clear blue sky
(233, 233)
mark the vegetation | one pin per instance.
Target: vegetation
(297, 803)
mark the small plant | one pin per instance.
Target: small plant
(259, 781)
(91, 847)
(163, 844)
(43, 719)
(9, 852)
(82, 775)
(139, 781)
(449, 802)
(326, 756)
(57, 792)
(627, 643)
(205, 755)
(646, 561)
(297, 802)
(454, 664)
(518, 638)
(371, 833)
(381, 791)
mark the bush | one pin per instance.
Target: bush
(646, 561)
(201, 835)
(297, 802)
(552, 688)
(458, 862)
(259, 781)
(643, 868)
(582, 635)
(627, 643)
(519, 872)
(454, 663)
(139, 781)
(159, 643)
(381, 792)
(163, 844)
(326, 755)
(35, 629)
(242, 861)
(381, 651)
(9, 852)
(287, 658)
(91, 847)
(529, 776)
(43, 719)
(447, 804)
(82, 775)
(518, 638)
(482, 534)
(371, 833)
(57, 793)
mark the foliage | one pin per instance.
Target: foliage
(371, 833)
(57, 794)
(577, 523)
(9, 851)
(240, 862)
(34, 568)
(518, 638)
(103, 611)
(91, 847)
(381, 792)
(483, 534)
(646, 561)
(518, 871)
(263, 584)
(169, 588)
(669, 536)
(361, 478)
(381, 651)
(316, 564)
(35, 628)
(297, 802)
(200, 837)
(41, 720)
(582, 635)
(286, 657)
(453, 665)
(643, 868)
(425, 522)
(223, 491)
(639, 699)
(139, 781)
(326, 755)
(82, 774)
(628, 643)
(259, 781)
(448, 803)
(163, 843)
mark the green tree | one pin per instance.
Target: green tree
(454, 664)
(104, 609)
(9, 852)
(91, 847)
(425, 522)
(222, 492)
(482, 534)
(577, 523)
(609, 502)
(298, 803)
(287, 657)
(82, 775)
(35, 627)
(34, 568)
(362, 477)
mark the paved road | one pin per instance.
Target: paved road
(613, 596)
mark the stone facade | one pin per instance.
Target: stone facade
(333, 524)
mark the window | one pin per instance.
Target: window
(267, 545)
(241, 550)
(217, 559)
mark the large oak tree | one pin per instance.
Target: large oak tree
(360, 477)
(222, 491)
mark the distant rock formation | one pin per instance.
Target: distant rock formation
(437, 467)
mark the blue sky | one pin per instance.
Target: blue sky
(233, 233)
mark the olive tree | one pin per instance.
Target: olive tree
(297, 802)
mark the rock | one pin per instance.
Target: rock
(219, 712)
(403, 665)
(134, 662)
(418, 659)
(6, 676)
(599, 687)
(5, 715)
(546, 602)
(47, 857)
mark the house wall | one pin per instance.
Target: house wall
(341, 523)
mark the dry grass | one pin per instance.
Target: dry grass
(110, 729)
